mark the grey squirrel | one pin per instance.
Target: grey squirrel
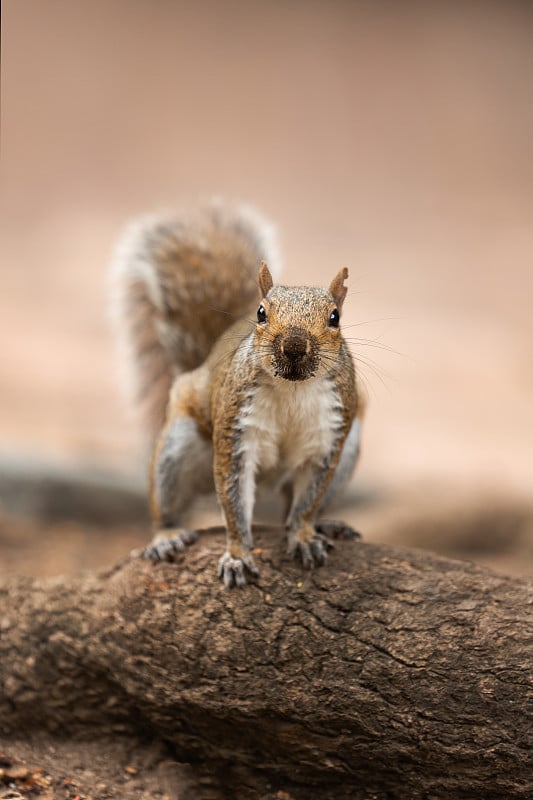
(234, 387)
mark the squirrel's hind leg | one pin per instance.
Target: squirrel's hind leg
(336, 529)
(181, 469)
(346, 465)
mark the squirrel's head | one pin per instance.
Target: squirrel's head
(297, 333)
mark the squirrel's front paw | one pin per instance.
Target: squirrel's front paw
(231, 569)
(310, 546)
(164, 547)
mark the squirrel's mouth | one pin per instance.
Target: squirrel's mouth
(294, 372)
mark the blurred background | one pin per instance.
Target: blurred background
(394, 138)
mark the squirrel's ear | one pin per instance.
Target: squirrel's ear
(265, 279)
(337, 287)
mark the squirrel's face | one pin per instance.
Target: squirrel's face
(297, 335)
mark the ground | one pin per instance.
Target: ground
(122, 769)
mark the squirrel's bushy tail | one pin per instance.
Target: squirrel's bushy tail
(178, 284)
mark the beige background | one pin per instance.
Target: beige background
(394, 138)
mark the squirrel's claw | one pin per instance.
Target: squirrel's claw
(164, 547)
(232, 570)
(336, 529)
(313, 551)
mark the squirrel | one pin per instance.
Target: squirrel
(233, 387)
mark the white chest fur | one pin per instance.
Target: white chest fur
(290, 423)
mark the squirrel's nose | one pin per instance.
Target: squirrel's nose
(295, 344)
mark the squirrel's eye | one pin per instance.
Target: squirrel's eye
(333, 321)
(261, 314)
